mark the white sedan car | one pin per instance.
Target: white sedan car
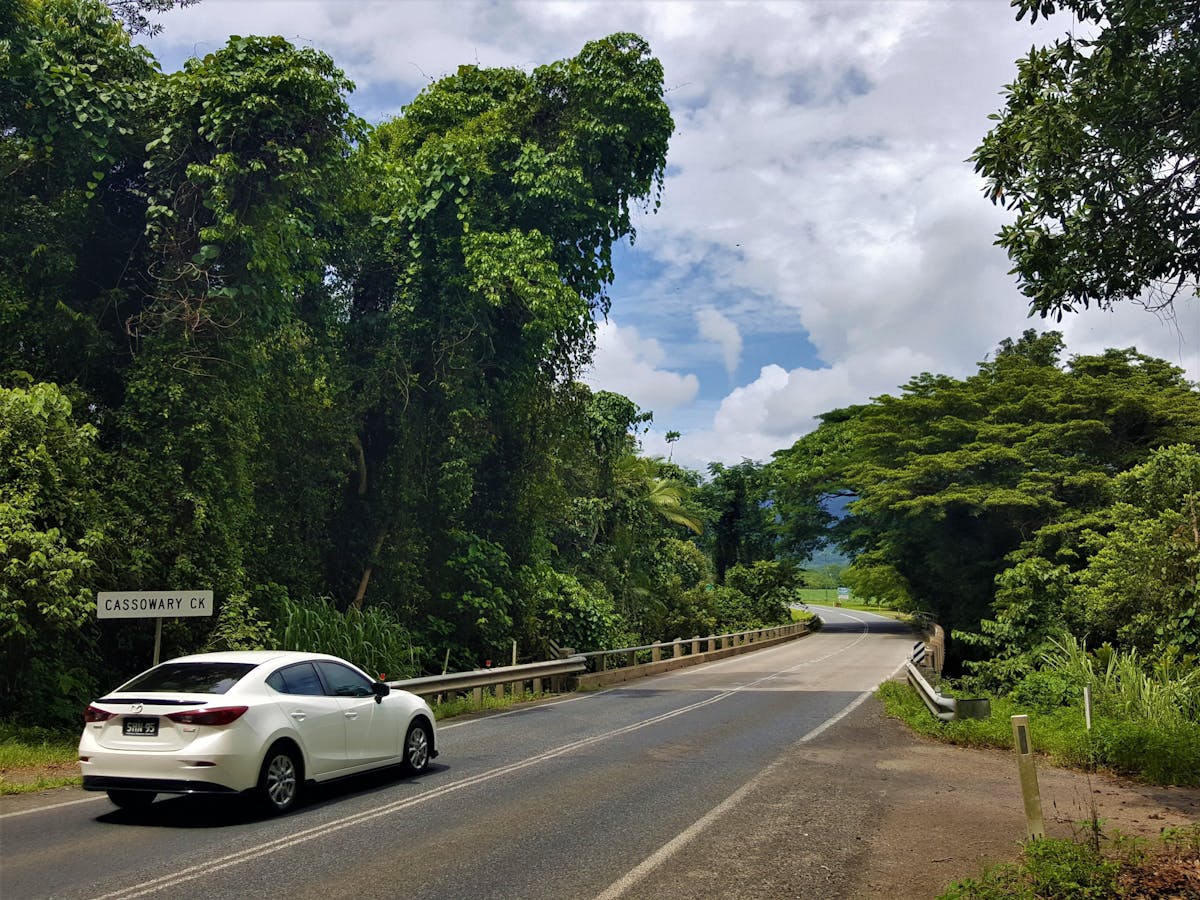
(263, 722)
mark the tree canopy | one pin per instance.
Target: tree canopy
(1097, 151)
(955, 480)
(249, 342)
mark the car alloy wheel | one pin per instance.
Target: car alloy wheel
(416, 747)
(279, 783)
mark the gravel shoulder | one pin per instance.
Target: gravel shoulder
(868, 808)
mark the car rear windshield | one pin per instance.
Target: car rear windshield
(189, 678)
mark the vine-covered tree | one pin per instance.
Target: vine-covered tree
(315, 359)
(488, 212)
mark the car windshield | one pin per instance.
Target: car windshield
(189, 678)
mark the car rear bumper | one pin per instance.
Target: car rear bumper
(158, 785)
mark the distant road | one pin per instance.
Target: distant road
(592, 795)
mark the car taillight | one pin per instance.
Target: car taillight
(94, 714)
(222, 715)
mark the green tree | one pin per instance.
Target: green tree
(73, 105)
(486, 215)
(319, 359)
(739, 530)
(953, 476)
(1096, 150)
(1141, 586)
(52, 538)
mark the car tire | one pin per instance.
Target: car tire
(417, 747)
(280, 779)
(132, 799)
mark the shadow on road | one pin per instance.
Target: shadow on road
(196, 811)
(875, 626)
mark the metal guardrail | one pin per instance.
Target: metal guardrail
(477, 679)
(623, 657)
(554, 673)
(945, 708)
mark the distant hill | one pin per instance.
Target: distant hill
(826, 556)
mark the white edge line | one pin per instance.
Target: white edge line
(635, 875)
(37, 809)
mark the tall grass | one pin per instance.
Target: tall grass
(370, 638)
(1159, 753)
(1165, 694)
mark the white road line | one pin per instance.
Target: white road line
(204, 869)
(677, 673)
(35, 809)
(634, 876)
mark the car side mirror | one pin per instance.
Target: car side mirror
(381, 689)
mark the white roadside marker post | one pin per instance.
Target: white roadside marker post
(1034, 826)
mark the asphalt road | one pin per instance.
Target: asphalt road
(588, 796)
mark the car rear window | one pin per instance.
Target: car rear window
(189, 678)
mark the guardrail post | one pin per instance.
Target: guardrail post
(537, 685)
(696, 645)
(656, 652)
(477, 697)
(499, 691)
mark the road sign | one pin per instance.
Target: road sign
(918, 654)
(843, 593)
(153, 604)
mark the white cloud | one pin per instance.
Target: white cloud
(723, 331)
(629, 364)
(817, 183)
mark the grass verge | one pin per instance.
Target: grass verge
(1157, 754)
(34, 759)
(1119, 866)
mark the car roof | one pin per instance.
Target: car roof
(254, 657)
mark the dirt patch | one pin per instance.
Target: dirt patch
(27, 775)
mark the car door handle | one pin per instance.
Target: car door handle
(351, 714)
(299, 716)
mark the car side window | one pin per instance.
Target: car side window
(300, 678)
(344, 682)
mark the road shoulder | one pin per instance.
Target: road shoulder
(868, 807)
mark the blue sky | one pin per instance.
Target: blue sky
(821, 237)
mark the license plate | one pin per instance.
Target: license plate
(141, 727)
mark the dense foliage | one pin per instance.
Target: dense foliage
(251, 343)
(1030, 497)
(1097, 151)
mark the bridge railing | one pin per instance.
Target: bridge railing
(625, 663)
(596, 668)
(538, 676)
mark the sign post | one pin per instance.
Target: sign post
(153, 604)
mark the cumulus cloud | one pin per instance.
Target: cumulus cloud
(629, 364)
(723, 331)
(817, 196)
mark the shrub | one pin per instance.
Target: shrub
(1044, 690)
(562, 610)
(1050, 869)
